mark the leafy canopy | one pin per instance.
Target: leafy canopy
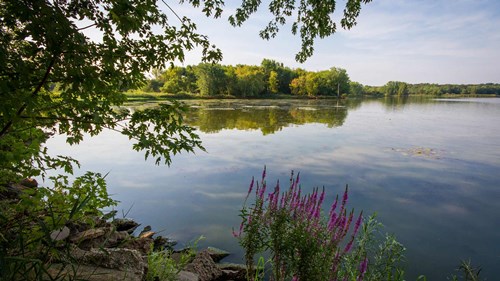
(55, 79)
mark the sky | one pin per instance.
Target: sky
(415, 41)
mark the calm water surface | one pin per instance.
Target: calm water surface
(429, 168)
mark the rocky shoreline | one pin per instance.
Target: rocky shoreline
(110, 251)
(107, 249)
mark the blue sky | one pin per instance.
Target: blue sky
(416, 41)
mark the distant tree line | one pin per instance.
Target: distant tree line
(396, 88)
(269, 78)
(272, 78)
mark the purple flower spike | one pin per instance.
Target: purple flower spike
(358, 223)
(239, 232)
(262, 190)
(321, 197)
(344, 199)
(356, 228)
(251, 187)
(348, 246)
(362, 269)
(295, 278)
(331, 223)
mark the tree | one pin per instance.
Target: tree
(333, 82)
(44, 42)
(398, 88)
(273, 82)
(152, 85)
(177, 79)
(284, 77)
(356, 89)
(313, 18)
(211, 79)
(298, 85)
(250, 80)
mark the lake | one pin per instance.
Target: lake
(429, 168)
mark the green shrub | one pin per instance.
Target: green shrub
(304, 244)
(163, 267)
(27, 249)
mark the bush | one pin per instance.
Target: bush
(303, 244)
(27, 242)
(162, 267)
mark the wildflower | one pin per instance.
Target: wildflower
(262, 190)
(239, 232)
(250, 188)
(362, 269)
(344, 199)
(356, 228)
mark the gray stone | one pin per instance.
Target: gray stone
(60, 234)
(125, 225)
(147, 234)
(233, 271)
(145, 229)
(92, 273)
(101, 264)
(142, 245)
(204, 267)
(217, 254)
(115, 258)
(187, 276)
(88, 234)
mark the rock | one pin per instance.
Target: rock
(29, 182)
(76, 227)
(161, 243)
(147, 234)
(101, 264)
(145, 229)
(60, 234)
(13, 190)
(111, 239)
(91, 273)
(217, 254)
(142, 245)
(116, 258)
(187, 276)
(233, 275)
(89, 234)
(204, 267)
(109, 215)
(125, 225)
(232, 271)
(116, 238)
(100, 237)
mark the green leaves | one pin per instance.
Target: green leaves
(313, 19)
(160, 132)
(56, 79)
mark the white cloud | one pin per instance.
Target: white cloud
(437, 41)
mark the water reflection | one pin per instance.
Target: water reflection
(266, 116)
(429, 168)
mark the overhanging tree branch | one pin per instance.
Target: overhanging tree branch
(40, 85)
